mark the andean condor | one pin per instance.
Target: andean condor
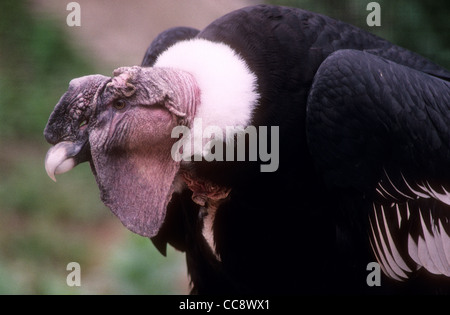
(339, 157)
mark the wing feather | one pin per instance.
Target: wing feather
(389, 145)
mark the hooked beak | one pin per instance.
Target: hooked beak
(62, 157)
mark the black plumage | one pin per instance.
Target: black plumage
(285, 47)
(362, 173)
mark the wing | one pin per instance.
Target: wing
(410, 59)
(379, 132)
(164, 40)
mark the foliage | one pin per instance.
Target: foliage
(36, 65)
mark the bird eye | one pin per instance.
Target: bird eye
(83, 123)
(119, 104)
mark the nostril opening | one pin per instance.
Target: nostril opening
(51, 137)
(83, 124)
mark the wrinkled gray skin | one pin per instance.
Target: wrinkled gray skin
(122, 126)
(67, 127)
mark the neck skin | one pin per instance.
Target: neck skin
(186, 97)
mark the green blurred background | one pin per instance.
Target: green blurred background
(43, 225)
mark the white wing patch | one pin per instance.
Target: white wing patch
(385, 249)
(411, 230)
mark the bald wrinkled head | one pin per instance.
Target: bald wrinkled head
(74, 109)
(123, 126)
(67, 127)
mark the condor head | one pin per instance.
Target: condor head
(67, 127)
(122, 126)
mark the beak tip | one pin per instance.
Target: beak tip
(58, 160)
(50, 172)
(53, 178)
